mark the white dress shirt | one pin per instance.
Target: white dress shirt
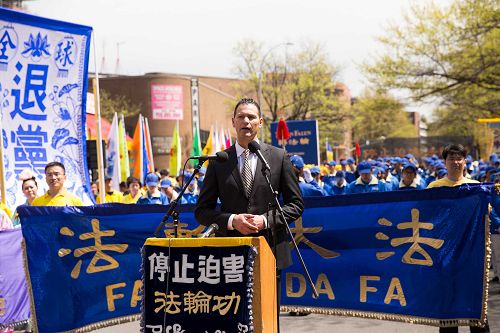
(253, 166)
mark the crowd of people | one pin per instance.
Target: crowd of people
(346, 177)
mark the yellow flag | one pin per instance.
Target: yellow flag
(175, 152)
(207, 150)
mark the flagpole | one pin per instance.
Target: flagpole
(97, 103)
(2, 170)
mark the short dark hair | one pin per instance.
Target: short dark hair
(32, 178)
(131, 180)
(53, 164)
(164, 172)
(246, 101)
(454, 149)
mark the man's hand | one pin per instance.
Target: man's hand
(245, 224)
(258, 221)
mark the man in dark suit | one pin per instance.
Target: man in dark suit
(243, 192)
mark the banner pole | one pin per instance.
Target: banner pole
(2, 170)
(97, 103)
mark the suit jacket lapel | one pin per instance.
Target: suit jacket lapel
(259, 178)
(233, 167)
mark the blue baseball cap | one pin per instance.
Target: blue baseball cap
(332, 163)
(339, 174)
(297, 161)
(165, 183)
(350, 161)
(364, 167)
(343, 162)
(315, 170)
(152, 179)
(410, 165)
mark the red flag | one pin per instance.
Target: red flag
(358, 150)
(282, 132)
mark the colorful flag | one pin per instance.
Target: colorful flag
(329, 151)
(175, 152)
(229, 142)
(113, 154)
(196, 147)
(222, 139)
(149, 148)
(216, 145)
(124, 160)
(43, 74)
(136, 160)
(207, 150)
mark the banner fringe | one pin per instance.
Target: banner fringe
(33, 320)
(383, 316)
(487, 261)
(105, 323)
(15, 324)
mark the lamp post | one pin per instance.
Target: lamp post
(259, 89)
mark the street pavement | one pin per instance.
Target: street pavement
(328, 324)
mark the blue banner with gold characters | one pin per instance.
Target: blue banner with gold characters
(198, 288)
(84, 262)
(43, 89)
(415, 256)
(303, 139)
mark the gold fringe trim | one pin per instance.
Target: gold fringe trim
(33, 320)
(487, 261)
(384, 316)
(105, 323)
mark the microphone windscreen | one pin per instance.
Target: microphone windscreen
(253, 146)
(222, 156)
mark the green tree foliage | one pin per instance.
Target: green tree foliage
(117, 103)
(446, 54)
(295, 85)
(378, 115)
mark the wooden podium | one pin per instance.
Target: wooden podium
(264, 307)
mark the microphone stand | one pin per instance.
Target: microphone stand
(282, 216)
(172, 210)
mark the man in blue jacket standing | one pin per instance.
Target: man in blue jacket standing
(365, 182)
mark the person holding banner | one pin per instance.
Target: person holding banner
(134, 187)
(153, 196)
(243, 192)
(56, 195)
(29, 187)
(454, 158)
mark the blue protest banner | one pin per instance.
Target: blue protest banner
(43, 79)
(415, 256)
(303, 139)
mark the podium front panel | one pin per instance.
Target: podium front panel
(205, 285)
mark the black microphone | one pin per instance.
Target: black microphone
(220, 156)
(211, 229)
(254, 147)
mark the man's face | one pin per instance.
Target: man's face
(108, 185)
(455, 163)
(152, 189)
(366, 177)
(55, 177)
(134, 188)
(247, 123)
(408, 175)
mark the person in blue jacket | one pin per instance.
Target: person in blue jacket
(308, 188)
(340, 184)
(409, 180)
(153, 196)
(350, 176)
(366, 182)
